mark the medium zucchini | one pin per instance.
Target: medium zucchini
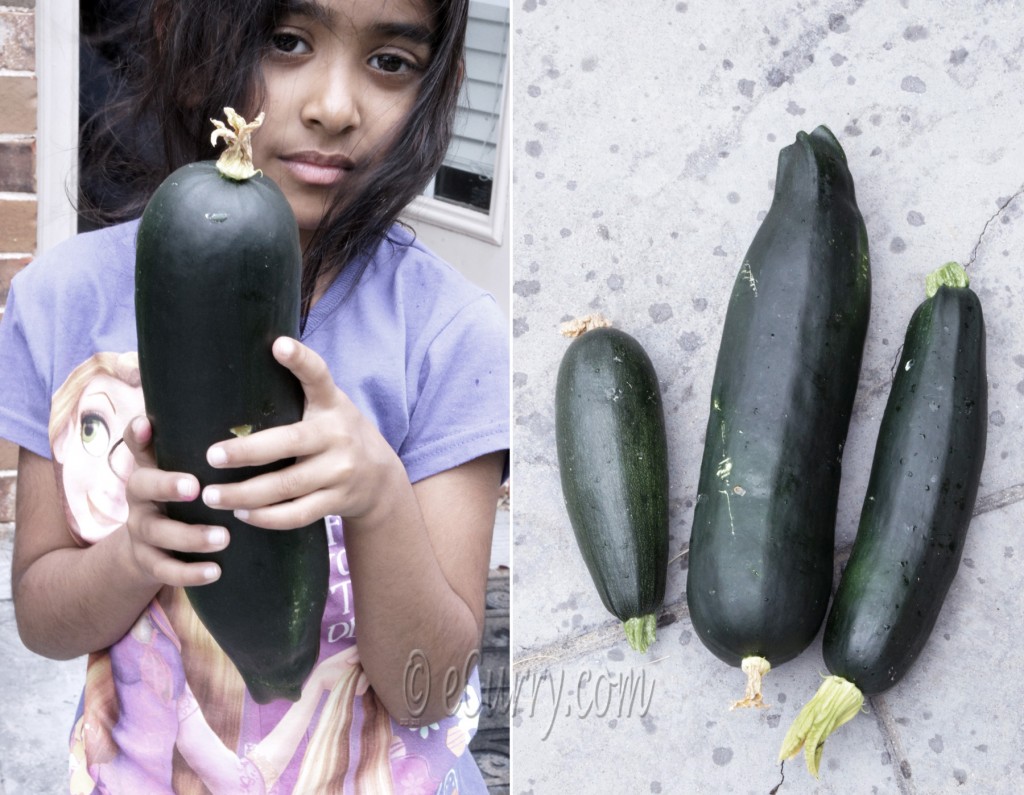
(217, 280)
(613, 463)
(921, 494)
(760, 556)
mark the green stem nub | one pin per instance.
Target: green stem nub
(640, 631)
(836, 702)
(235, 162)
(952, 274)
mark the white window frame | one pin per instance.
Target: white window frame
(489, 226)
(56, 31)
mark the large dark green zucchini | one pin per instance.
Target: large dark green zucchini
(920, 498)
(613, 462)
(760, 559)
(217, 280)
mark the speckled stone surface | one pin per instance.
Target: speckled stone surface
(645, 147)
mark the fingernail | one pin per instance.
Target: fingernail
(285, 346)
(185, 488)
(216, 536)
(216, 456)
(211, 496)
(242, 514)
(211, 573)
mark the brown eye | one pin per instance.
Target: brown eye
(289, 43)
(390, 63)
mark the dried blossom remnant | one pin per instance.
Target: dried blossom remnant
(756, 668)
(579, 326)
(236, 161)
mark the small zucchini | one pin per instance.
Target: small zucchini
(217, 280)
(920, 498)
(760, 555)
(613, 463)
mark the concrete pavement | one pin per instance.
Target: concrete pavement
(646, 141)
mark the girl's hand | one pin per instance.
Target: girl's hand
(153, 535)
(342, 465)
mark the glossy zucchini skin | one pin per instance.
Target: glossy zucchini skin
(217, 280)
(761, 546)
(920, 498)
(613, 464)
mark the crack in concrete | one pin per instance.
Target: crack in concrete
(984, 229)
(599, 639)
(999, 499)
(893, 745)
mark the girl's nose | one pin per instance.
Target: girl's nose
(332, 100)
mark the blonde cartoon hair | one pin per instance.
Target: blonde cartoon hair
(122, 366)
(101, 710)
(326, 761)
(215, 682)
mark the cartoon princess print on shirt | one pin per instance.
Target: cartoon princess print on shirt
(87, 420)
(145, 680)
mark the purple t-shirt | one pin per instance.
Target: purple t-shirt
(420, 351)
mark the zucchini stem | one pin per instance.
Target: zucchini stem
(235, 162)
(755, 668)
(836, 702)
(640, 631)
(952, 274)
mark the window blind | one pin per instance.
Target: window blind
(478, 123)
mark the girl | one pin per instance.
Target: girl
(402, 445)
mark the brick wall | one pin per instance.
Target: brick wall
(17, 176)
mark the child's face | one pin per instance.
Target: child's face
(341, 78)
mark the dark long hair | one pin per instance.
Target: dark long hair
(192, 58)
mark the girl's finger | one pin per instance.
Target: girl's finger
(308, 367)
(138, 435)
(167, 569)
(171, 536)
(148, 484)
(267, 446)
(288, 515)
(304, 477)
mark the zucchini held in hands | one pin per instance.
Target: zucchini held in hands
(920, 498)
(761, 545)
(217, 281)
(613, 463)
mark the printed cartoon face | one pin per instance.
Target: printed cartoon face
(95, 462)
(341, 76)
